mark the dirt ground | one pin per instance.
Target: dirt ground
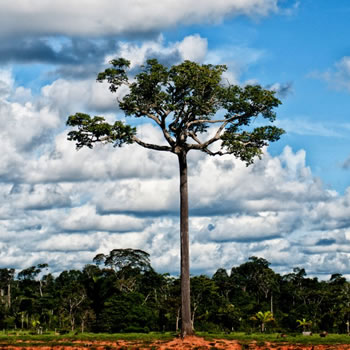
(188, 343)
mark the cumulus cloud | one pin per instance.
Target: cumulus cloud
(84, 218)
(263, 210)
(39, 197)
(6, 83)
(106, 17)
(71, 96)
(192, 47)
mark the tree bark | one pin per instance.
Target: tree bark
(186, 324)
(9, 295)
(177, 319)
(271, 303)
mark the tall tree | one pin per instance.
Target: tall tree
(184, 101)
(129, 264)
(6, 278)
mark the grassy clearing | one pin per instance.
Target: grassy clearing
(49, 338)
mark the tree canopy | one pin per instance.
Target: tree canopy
(92, 299)
(184, 101)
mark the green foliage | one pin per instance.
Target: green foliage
(96, 129)
(183, 101)
(125, 259)
(263, 317)
(126, 313)
(304, 323)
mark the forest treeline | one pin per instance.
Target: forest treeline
(121, 292)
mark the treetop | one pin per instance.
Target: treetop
(184, 101)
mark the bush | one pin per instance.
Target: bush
(126, 313)
(135, 329)
(206, 326)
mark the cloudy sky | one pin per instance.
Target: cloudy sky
(62, 207)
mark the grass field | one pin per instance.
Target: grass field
(13, 337)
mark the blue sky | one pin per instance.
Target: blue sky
(62, 207)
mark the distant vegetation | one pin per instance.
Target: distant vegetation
(121, 292)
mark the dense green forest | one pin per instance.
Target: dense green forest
(121, 292)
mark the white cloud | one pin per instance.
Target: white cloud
(103, 17)
(69, 243)
(263, 210)
(6, 83)
(193, 48)
(73, 96)
(339, 76)
(246, 228)
(84, 218)
(39, 196)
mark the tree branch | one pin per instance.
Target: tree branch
(194, 137)
(151, 146)
(166, 133)
(216, 137)
(201, 121)
(217, 153)
(179, 115)
(153, 117)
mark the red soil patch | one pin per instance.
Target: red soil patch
(177, 343)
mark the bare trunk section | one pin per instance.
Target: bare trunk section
(9, 295)
(41, 288)
(271, 303)
(177, 319)
(186, 324)
(195, 306)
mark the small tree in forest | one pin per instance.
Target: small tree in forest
(184, 101)
(305, 324)
(263, 318)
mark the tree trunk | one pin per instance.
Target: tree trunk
(193, 314)
(177, 319)
(271, 303)
(72, 322)
(186, 324)
(9, 295)
(40, 289)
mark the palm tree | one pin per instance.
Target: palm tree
(304, 323)
(263, 317)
